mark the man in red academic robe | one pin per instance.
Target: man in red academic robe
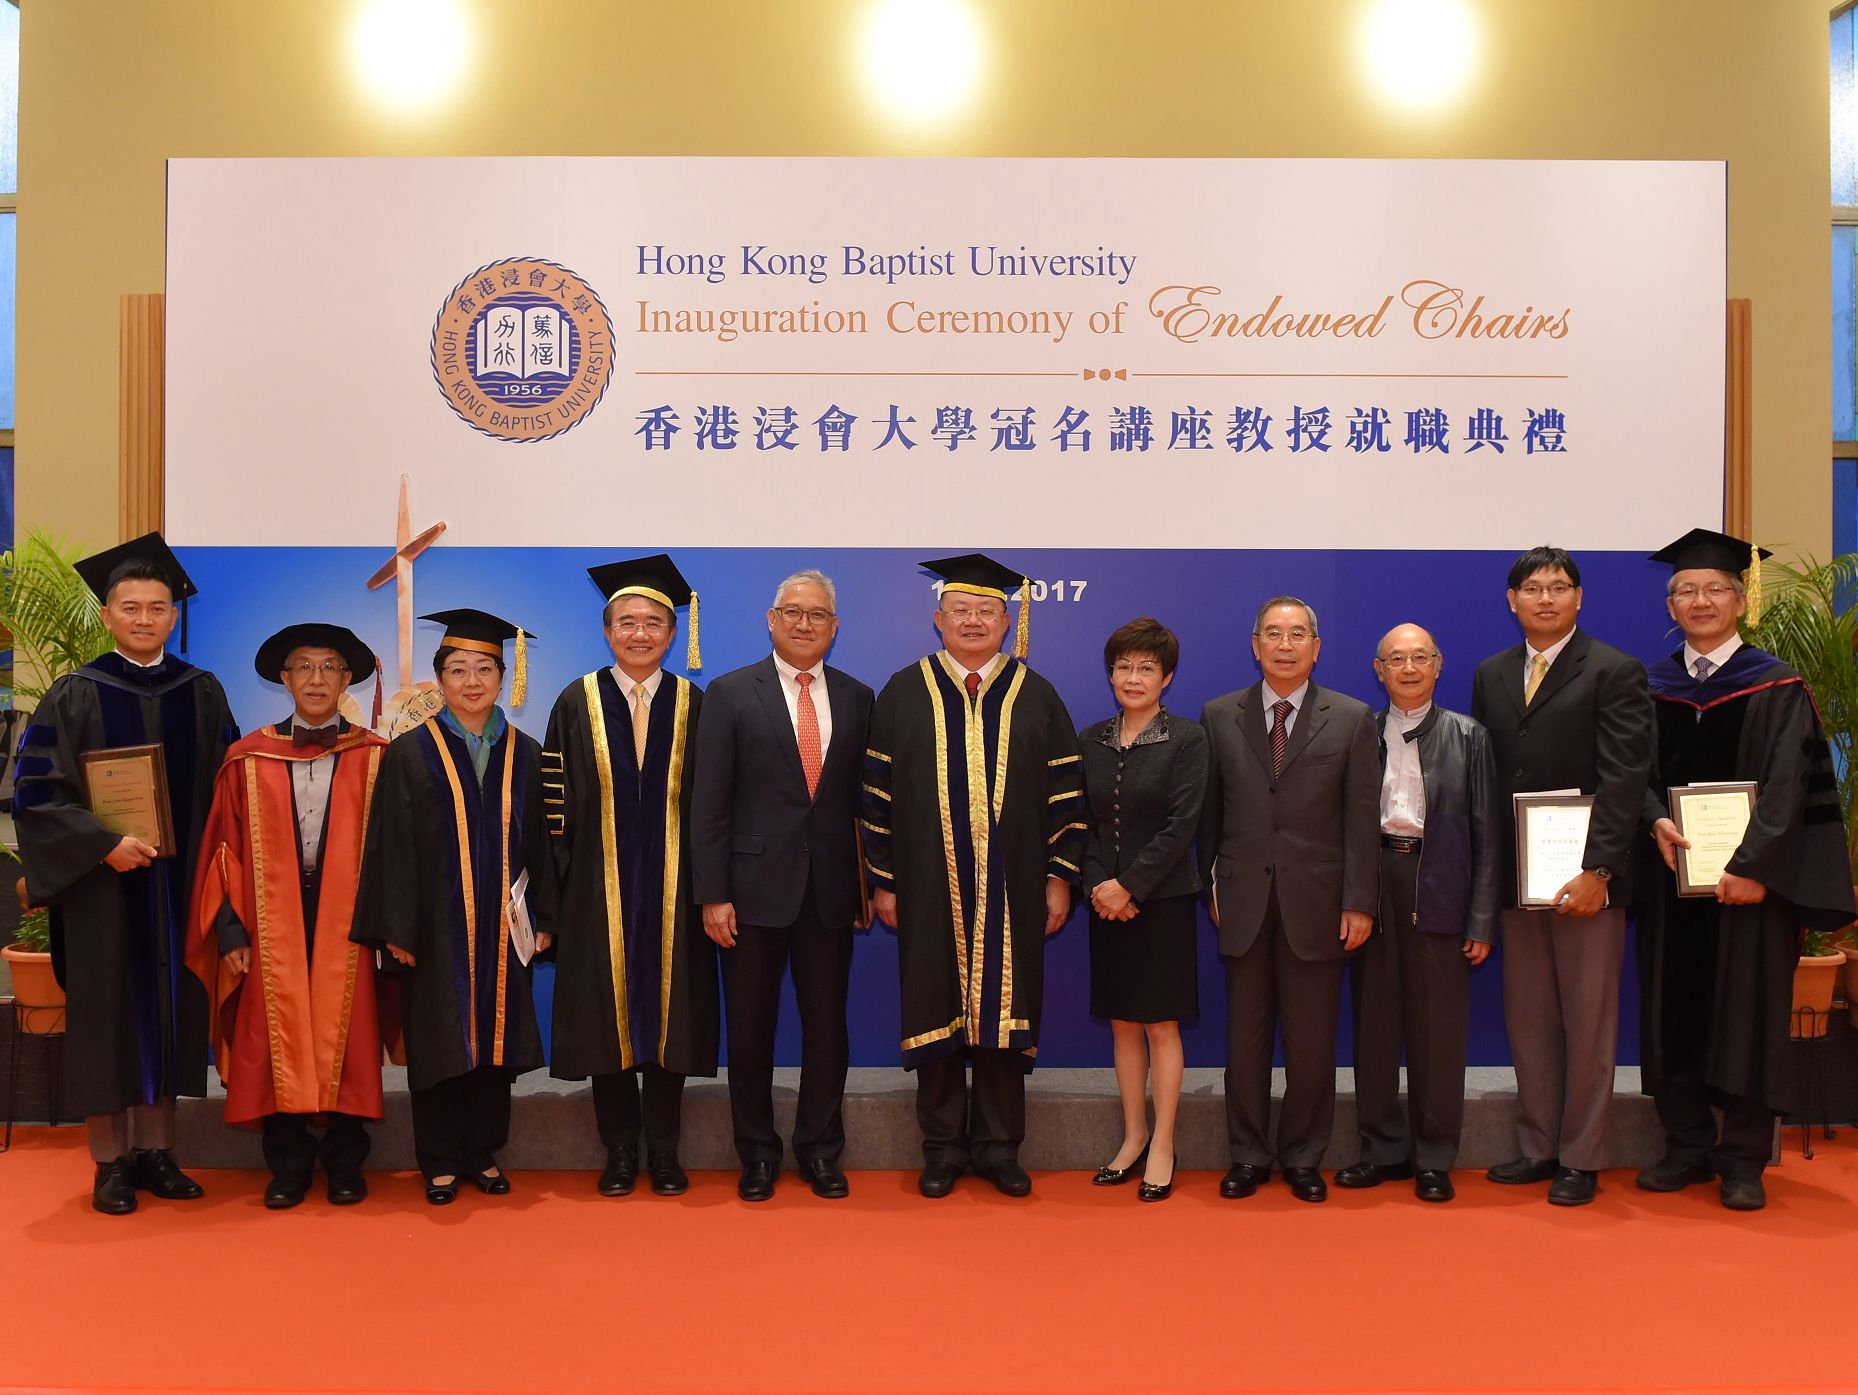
(295, 1022)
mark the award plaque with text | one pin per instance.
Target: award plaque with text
(1713, 817)
(128, 791)
(1551, 841)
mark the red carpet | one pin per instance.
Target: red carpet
(555, 1288)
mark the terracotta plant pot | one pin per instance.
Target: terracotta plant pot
(1813, 979)
(36, 994)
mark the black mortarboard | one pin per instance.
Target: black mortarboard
(657, 579)
(977, 574)
(313, 634)
(102, 570)
(480, 632)
(1704, 547)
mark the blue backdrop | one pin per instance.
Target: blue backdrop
(1206, 597)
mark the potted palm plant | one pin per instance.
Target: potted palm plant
(38, 998)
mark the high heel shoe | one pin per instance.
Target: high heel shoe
(1158, 1191)
(1108, 1176)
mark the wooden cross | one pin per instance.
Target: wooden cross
(399, 570)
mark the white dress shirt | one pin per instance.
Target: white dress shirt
(309, 781)
(1717, 656)
(1403, 788)
(1272, 698)
(1551, 653)
(133, 663)
(790, 690)
(626, 681)
(984, 670)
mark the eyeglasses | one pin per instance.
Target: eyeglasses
(1535, 590)
(793, 615)
(1145, 668)
(1274, 635)
(328, 668)
(986, 614)
(458, 673)
(651, 625)
(1422, 660)
(1715, 591)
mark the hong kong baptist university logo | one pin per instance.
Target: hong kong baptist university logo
(523, 349)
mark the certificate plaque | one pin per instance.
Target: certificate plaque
(128, 791)
(1714, 817)
(1551, 841)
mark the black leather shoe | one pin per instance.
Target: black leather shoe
(1243, 1179)
(622, 1171)
(1673, 1174)
(286, 1192)
(1525, 1170)
(441, 1193)
(826, 1178)
(1108, 1176)
(114, 1190)
(1434, 1184)
(1573, 1187)
(347, 1188)
(155, 1172)
(491, 1186)
(1158, 1191)
(668, 1175)
(938, 1179)
(1367, 1174)
(757, 1182)
(1744, 1193)
(1306, 1184)
(1008, 1177)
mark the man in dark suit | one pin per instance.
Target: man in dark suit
(1565, 712)
(776, 870)
(1289, 844)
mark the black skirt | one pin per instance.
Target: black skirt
(1144, 970)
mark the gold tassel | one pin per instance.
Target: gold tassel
(519, 679)
(693, 650)
(1022, 637)
(1751, 581)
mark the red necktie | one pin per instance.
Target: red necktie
(974, 684)
(806, 730)
(1280, 738)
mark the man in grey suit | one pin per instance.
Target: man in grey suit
(775, 866)
(1565, 712)
(1289, 846)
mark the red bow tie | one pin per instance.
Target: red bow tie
(315, 736)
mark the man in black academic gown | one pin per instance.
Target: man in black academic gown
(974, 831)
(1716, 969)
(136, 1021)
(635, 976)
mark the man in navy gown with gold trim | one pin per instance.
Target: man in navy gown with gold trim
(636, 998)
(974, 833)
(1716, 972)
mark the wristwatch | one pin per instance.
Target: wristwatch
(1605, 874)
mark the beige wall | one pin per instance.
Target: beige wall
(109, 88)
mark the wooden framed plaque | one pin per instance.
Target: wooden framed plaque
(127, 787)
(1714, 817)
(1551, 841)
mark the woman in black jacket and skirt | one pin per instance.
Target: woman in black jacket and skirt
(1144, 779)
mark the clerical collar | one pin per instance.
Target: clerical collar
(156, 662)
(626, 681)
(1718, 656)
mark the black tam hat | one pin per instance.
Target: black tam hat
(1704, 547)
(102, 570)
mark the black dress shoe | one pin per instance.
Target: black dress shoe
(1306, 1184)
(154, 1171)
(1008, 1177)
(286, 1192)
(1524, 1170)
(1367, 1174)
(1243, 1179)
(114, 1190)
(1573, 1187)
(622, 1171)
(938, 1179)
(1673, 1174)
(1108, 1176)
(1158, 1191)
(757, 1182)
(826, 1179)
(1744, 1193)
(346, 1188)
(441, 1193)
(491, 1186)
(1434, 1184)
(668, 1175)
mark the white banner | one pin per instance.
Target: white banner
(646, 353)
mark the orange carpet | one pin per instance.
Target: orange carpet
(555, 1288)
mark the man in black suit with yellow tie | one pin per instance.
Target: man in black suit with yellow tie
(1565, 712)
(1289, 844)
(776, 869)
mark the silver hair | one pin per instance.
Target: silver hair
(1275, 602)
(818, 578)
